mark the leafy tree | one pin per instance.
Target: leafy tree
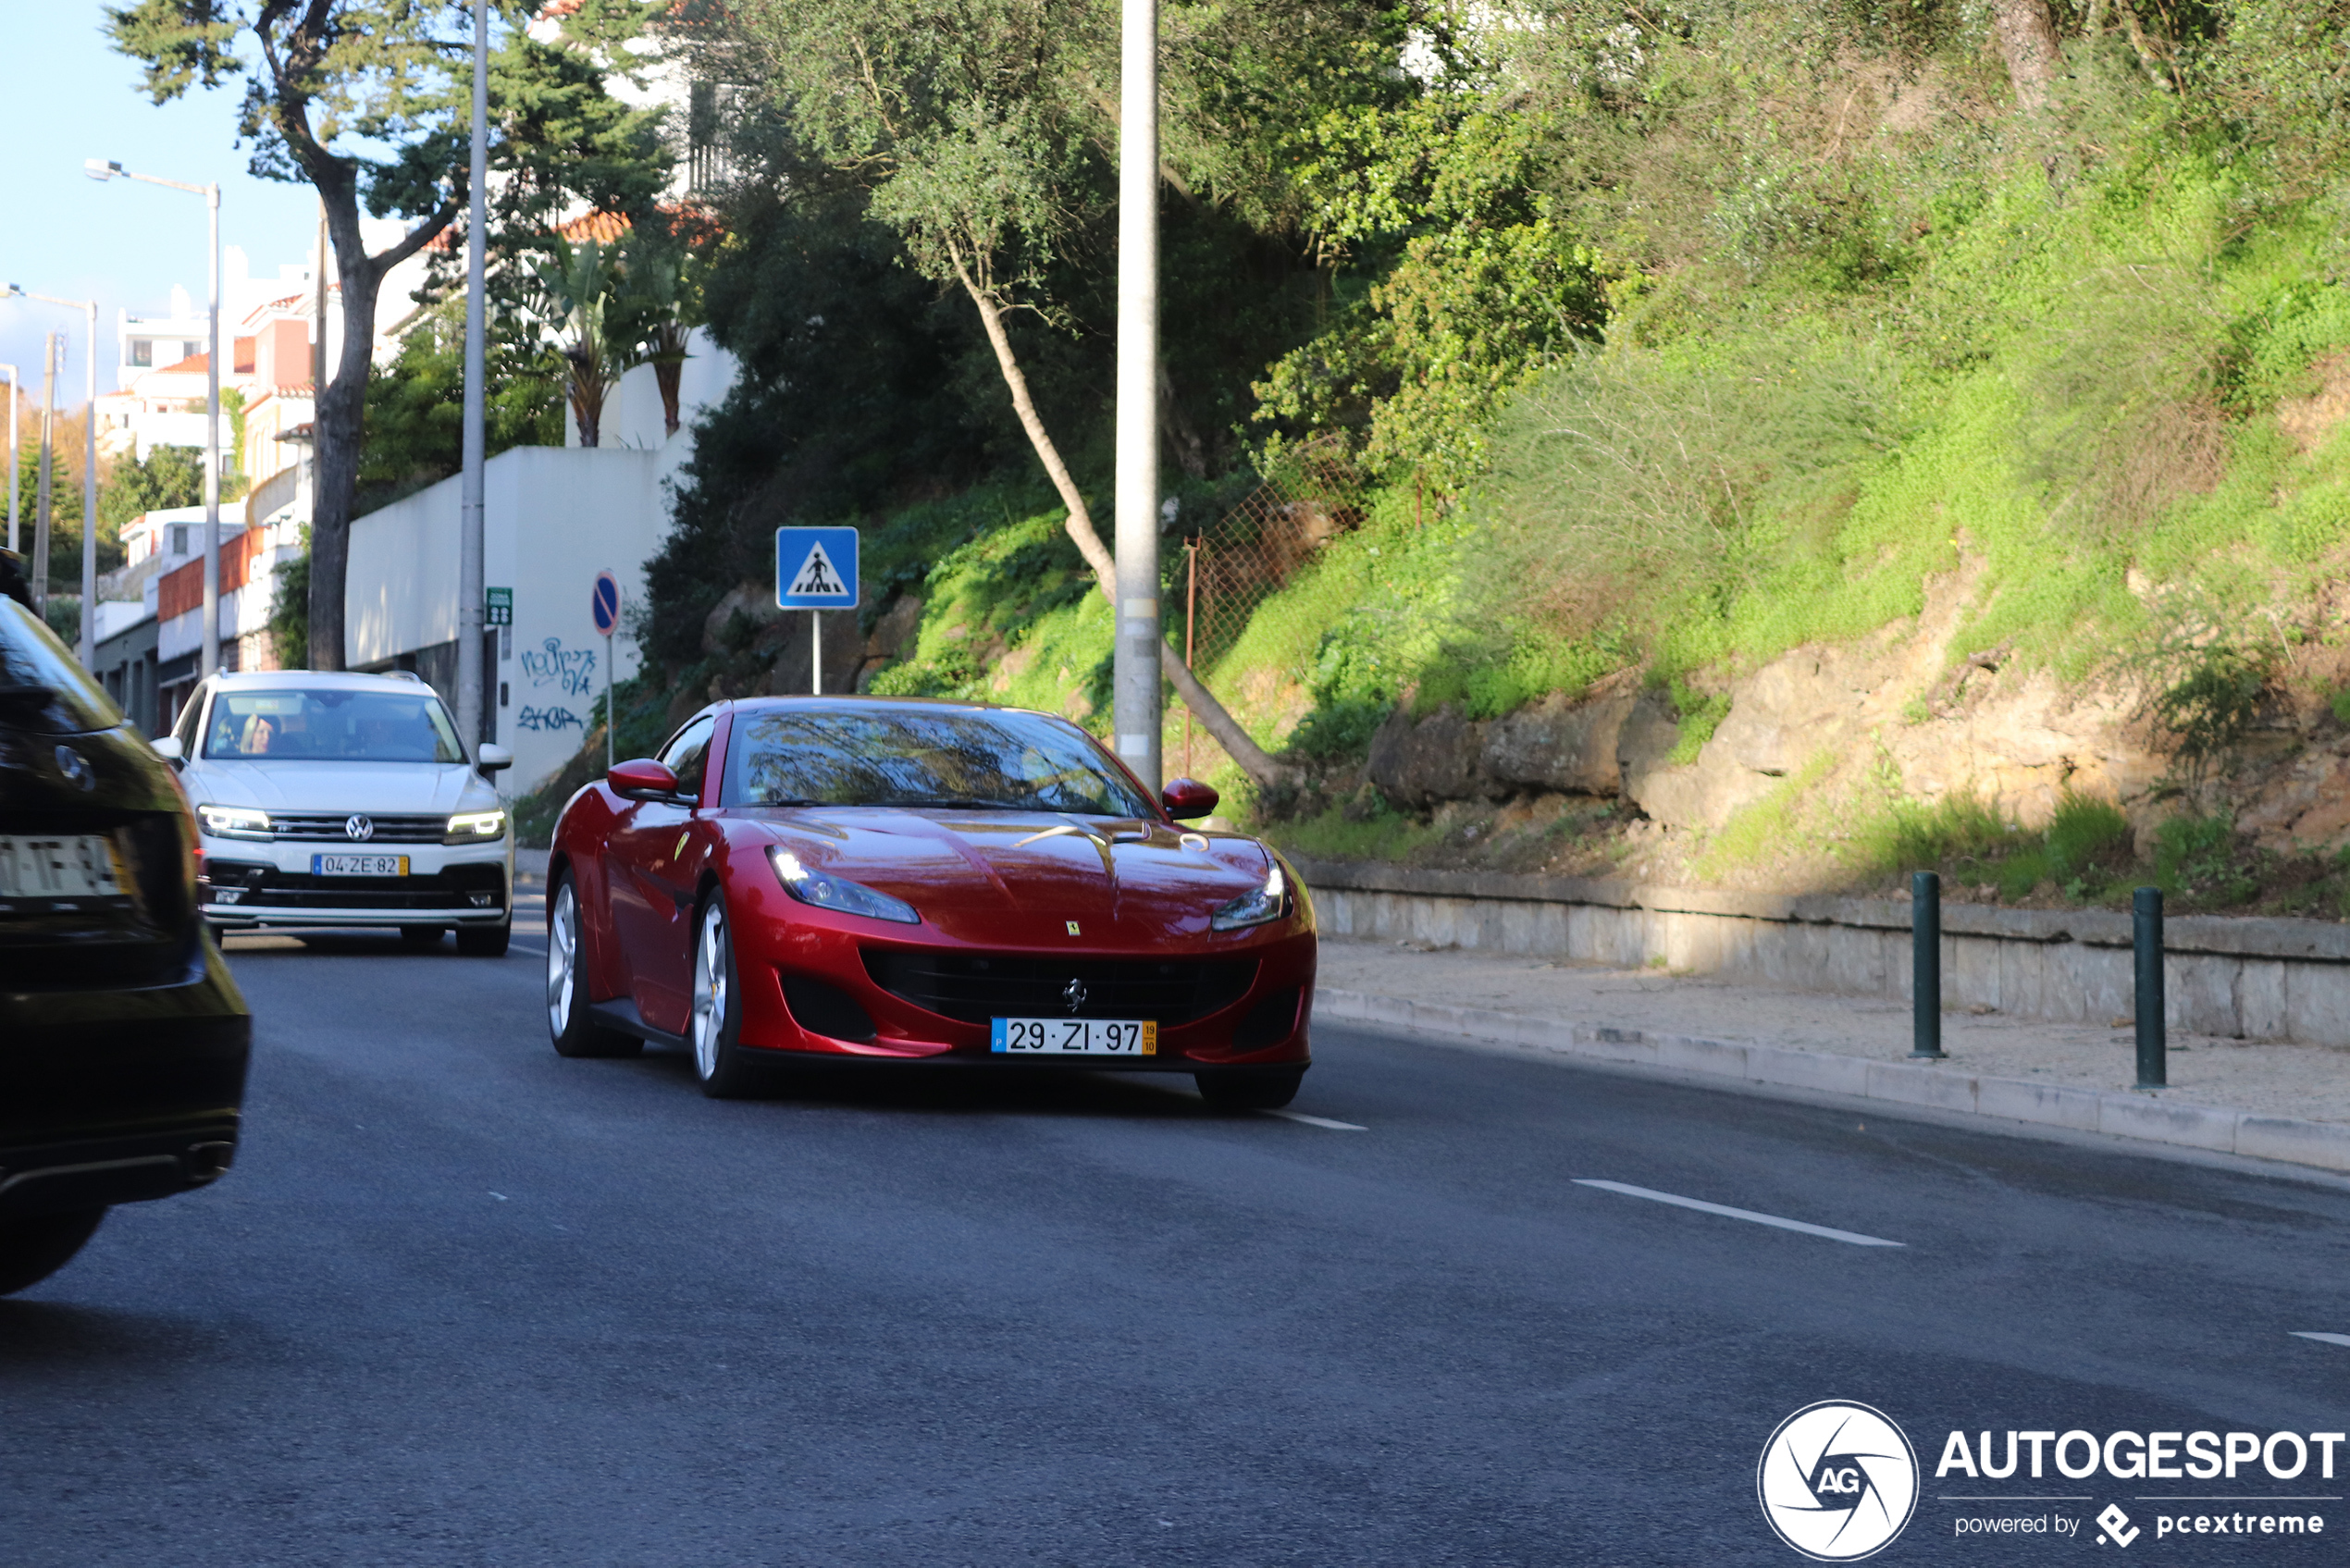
(369, 102)
(580, 297)
(981, 130)
(167, 476)
(416, 405)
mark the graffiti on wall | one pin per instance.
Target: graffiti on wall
(547, 719)
(574, 669)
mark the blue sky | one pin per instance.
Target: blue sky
(70, 97)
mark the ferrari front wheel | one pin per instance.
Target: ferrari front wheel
(575, 1034)
(1250, 1088)
(717, 1026)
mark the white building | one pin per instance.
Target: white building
(552, 519)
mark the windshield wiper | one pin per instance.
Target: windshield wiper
(789, 800)
(963, 805)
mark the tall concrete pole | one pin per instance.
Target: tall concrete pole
(12, 454)
(469, 545)
(45, 488)
(212, 450)
(1136, 677)
(86, 645)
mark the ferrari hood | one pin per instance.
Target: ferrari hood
(1026, 878)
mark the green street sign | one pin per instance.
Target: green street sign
(500, 610)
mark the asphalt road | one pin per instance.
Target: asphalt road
(465, 1303)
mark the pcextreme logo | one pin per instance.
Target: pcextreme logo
(1837, 1481)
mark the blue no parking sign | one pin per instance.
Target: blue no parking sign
(816, 568)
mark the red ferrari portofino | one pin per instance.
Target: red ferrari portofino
(910, 882)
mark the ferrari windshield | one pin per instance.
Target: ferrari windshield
(331, 724)
(936, 757)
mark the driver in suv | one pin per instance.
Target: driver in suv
(344, 800)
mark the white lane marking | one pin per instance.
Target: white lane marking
(2326, 1339)
(1318, 1121)
(1854, 1237)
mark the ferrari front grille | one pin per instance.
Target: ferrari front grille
(975, 987)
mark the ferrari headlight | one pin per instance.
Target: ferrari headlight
(475, 827)
(233, 821)
(1255, 908)
(836, 893)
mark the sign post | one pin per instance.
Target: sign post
(815, 571)
(605, 605)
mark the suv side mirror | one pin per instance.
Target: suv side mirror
(641, 778)
(1187, 797)
(493, 759)
(169, 749)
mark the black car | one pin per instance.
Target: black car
(122, 1039)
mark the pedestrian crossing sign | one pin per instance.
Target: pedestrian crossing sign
(816, 568)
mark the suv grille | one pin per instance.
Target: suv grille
(388, 830)
(975, 987)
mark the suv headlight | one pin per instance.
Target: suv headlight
(233, 821)
(1255, 908)
(474, 827)
(836, 893)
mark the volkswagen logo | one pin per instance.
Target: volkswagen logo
(358, 827)
(76, 768)
(1073, 995)
(1837, 1481)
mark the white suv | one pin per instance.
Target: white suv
(343, 800)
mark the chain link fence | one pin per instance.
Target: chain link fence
(1235, 564)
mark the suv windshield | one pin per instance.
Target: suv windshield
(40, 686)
(331, 724)
(922, 756)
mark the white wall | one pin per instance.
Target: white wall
(553, 517)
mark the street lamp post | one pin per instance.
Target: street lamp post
(12, 453)
(86, 645)
(471, 677)
(100, 168)
(1135, 677)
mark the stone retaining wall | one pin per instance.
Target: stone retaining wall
(2243, 979)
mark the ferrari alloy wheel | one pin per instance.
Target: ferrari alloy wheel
(717, 1021)
(1250, 1088)
(567, 1021)
(33, 1248)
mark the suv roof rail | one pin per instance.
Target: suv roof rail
(406, 675)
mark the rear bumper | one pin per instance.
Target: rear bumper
(112, 1097)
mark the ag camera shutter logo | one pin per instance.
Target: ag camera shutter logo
(1837, 1481)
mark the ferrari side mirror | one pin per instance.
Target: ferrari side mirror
(642, 778)
(1187, 797)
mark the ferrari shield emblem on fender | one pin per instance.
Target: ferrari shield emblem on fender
(1072, 928)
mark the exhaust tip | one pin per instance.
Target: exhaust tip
(207, 1162)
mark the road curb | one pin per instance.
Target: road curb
(1935, 1086)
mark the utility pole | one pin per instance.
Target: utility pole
(48, 467)
(101, 170)
(12, 454)
(469, 520)
(87, 643)
(1137, 718)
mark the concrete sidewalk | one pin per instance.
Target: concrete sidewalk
(2277, 1102)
